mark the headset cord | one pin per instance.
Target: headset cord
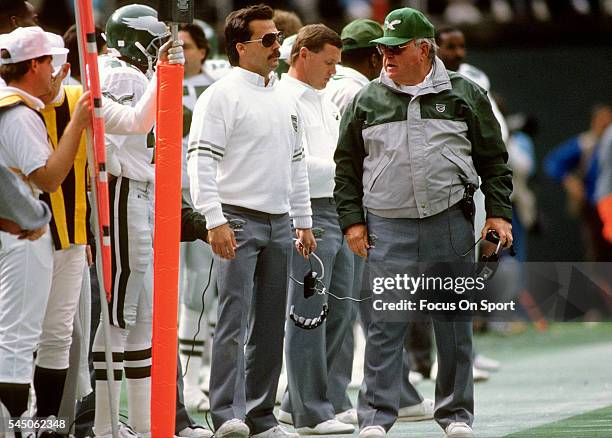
(450, 234)
(199, 319)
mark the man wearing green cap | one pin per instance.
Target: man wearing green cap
(361, 63)
(410, 142)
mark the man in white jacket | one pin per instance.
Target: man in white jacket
(313, 60)
(246, 169)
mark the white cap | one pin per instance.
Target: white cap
(286, 47)
(58, 61)
(27, 43)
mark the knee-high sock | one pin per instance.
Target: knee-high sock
(191, 350)
(138, 385)
(103, 421)
(137, 364)
(49, 387)
(14, 397)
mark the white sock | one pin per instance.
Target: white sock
(103, 421)
(190, 351)
(139, 404)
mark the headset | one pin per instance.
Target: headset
(489, 263)
(313, 284)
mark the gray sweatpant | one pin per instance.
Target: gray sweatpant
(408, 241)
(252, 302)
(311, 353)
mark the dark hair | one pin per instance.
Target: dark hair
(198, 36)
(314, 37)
(357, 56)
(237, 28)
(14, 72)
(287, 22)
(11, 8)
(72, 44)
(444, 30)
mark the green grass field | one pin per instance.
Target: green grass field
(552, 384)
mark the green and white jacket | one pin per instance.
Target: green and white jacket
(403, 156)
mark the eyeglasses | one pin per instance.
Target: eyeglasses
(390, 50)
(268, 39)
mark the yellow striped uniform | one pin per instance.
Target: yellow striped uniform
(69, 202)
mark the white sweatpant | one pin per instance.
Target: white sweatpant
(56, 337)
(26, 269)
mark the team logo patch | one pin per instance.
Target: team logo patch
(391, 25)
(440, 107)
(294, 122)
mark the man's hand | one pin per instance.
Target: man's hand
(81, 115)
(357, 239)
(172, 52)
(223, 241)
(89, 255)
(502, 227)
(33, 234)
(10, 227)
(306, 242)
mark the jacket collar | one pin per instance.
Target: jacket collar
(437, 82)
(342, 71)
(255, 78)
(300, 88)
(31, 101)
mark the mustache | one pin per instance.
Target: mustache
(275, 54)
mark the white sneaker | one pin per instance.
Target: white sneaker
(422, 411)
(486, 363)
(194, 432)
(285, 417)
(275, 432)
(372, 432)
(233, 428)
(414, 377)
(124, 431)
(329, 427)
(349, 416)
(458, 430)
(196, 400)
(480, 375)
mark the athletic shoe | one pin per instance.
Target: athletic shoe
(275, 432)
(422, 411)
(480, 375)
(329, 427)
(458, 430)
(196, 400)
(233, 428)
(414, 377)
(486, 363)
(194, 432)
(285, 417)
(124, 431)
(349, 416)
(372, 432)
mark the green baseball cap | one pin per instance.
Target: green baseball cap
(360, 33)
(403, 25)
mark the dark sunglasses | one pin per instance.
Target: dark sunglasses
(390, 50)
(268, 39)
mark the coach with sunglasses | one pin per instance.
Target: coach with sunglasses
(246, 166)
(409, 142)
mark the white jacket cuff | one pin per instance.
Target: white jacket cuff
(214, 218)
(302, 222)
